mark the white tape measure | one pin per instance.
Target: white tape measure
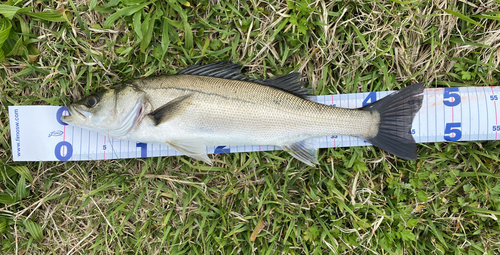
(447, 114)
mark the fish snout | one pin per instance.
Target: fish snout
(75, 116)
(67, 119)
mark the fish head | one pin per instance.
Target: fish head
(113, 111)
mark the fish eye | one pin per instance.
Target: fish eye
(92, 100)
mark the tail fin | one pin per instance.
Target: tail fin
(396, 116)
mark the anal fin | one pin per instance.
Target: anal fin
(194, 148)
(303, 151)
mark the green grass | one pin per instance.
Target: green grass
(358, 200)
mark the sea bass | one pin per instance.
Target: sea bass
(216, 104)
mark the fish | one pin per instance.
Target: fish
(217, 104)
(56, 133)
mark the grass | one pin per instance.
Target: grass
(357, 201)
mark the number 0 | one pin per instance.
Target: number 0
(69, 152)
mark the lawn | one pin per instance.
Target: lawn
(358, 200)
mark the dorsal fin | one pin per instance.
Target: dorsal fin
(231, 71)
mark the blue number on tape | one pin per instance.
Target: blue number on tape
(452, 128)
(493, 97)
(67, 145)
(452, 131)
(371, 98)
(496, 128)
(144, 149)
(221, 149)
(450, 93)
(69, 151)
(59, 114)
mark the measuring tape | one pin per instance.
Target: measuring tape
(447, 114)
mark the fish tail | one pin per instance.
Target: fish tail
(396, 116)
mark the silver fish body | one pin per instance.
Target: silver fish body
(215, 105)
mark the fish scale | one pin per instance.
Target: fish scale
(215, 104)
(232, 110)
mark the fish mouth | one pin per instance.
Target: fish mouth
(75, 116)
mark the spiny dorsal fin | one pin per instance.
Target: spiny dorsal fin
(171, 109)
(231, 71)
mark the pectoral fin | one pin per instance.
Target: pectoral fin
(303, 151)
(194, 148)
(171, 109)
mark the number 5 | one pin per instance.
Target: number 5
(448, 95)
(452, 128)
